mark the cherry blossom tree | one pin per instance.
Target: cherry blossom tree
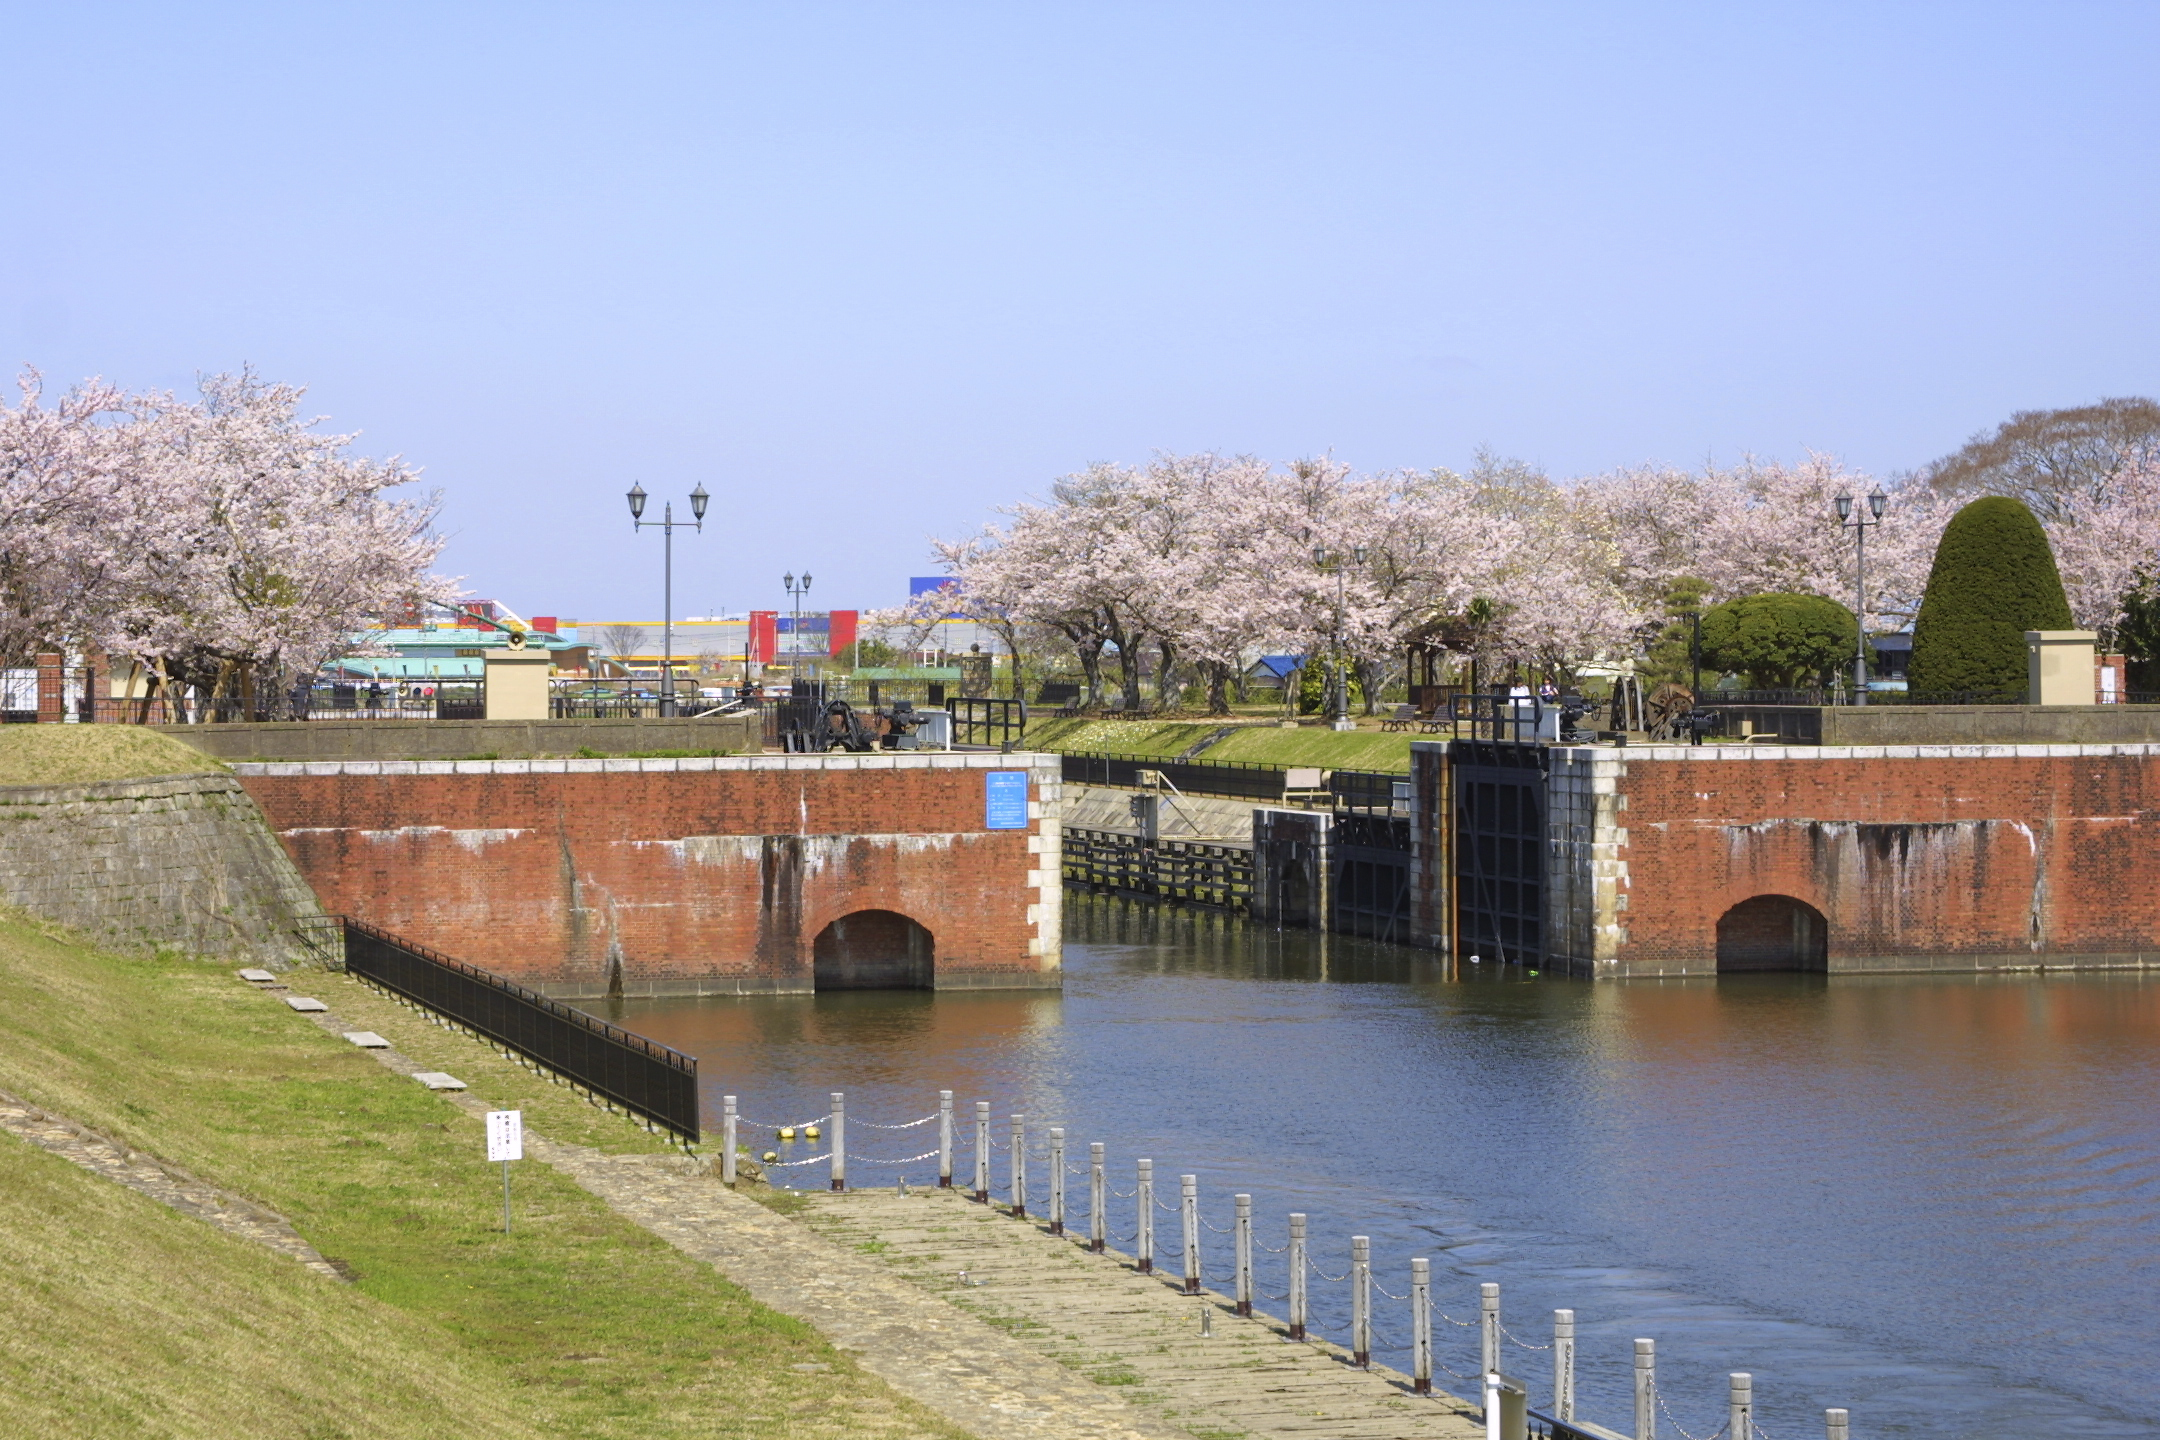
(62, 469)
(225, 543)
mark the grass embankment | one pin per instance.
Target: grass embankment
(81, 754)
(1263, 743)
(127, 1318)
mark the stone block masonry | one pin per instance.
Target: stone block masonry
(1915, 858)
(728, 875)
(183, 863)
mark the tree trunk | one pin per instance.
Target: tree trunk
(1218, 687)
(1167, 689)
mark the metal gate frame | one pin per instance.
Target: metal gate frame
(1500, 847)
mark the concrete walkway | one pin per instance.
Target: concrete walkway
(1100, 1315)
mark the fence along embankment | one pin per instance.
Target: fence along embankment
(611, 1065)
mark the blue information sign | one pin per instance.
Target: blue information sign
(1005, 799)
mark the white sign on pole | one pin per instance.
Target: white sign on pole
(506, 1134)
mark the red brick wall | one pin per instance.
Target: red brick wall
(570, 875)
(1984, 857)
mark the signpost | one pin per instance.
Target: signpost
(506, 1142)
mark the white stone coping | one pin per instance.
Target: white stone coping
(1044, 766)
(306, 1004)
(367, 1039)
(437, 1080)
(1631, 754)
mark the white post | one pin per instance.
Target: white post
(1491, 1391)
(1836, 1424)
(1421, 1326)
(839, 1140)
(1019, 1167)
(1297, 1276)
(1144, 1233)
(1488, 1327)
(982, 1152)
(1563, 1364)
(1097, 1225)
(1646, 1390)
(1360, 1300)
(944, 1140)
(1189, 1212)
(1740, 1406)
(727, 1141)
(1057, 1179)
(1243, 1239)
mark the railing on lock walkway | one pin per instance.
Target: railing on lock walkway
(643, 1077)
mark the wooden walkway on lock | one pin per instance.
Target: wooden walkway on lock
(1101, 1316)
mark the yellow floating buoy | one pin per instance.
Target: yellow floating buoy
(810, 1132)
(787, 1132)
(771, 1155)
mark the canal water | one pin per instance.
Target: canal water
(1933, 1200)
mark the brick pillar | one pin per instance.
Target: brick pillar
(51, 689)
(97, 688)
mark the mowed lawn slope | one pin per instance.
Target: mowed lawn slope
(80, 754)
(1256, 744)
(579, 1323)
(124, 1317)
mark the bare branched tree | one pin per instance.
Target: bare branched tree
(2059, 462)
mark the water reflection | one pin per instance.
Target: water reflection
(1932, 1199)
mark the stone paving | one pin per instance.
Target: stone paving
(1100, 1315)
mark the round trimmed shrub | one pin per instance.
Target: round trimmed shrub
(1780, 641)
(1994, 578)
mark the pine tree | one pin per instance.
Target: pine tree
(1994, 578)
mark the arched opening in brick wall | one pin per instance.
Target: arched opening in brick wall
(1772, 932)
(874, 950)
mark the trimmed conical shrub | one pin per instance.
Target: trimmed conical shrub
(1994, 579)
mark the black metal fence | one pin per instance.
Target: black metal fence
(1548, 1427)
(986, 721)
(640, 1075)
(1191, 777)
(1369, 790)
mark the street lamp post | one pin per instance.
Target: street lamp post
(666, 526)
(1324, 558)
(796, 595)
(1859, 524)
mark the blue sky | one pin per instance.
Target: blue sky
(865, 271)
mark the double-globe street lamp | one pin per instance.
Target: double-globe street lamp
(1322, 559)
(666, 526)
(1858, 524)
(796, 595)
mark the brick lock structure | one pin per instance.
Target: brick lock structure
(1680, 860)
(727, 875)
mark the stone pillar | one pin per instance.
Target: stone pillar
(517, 684)
(2059, 667)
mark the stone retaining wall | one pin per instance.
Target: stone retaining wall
(183, 862)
